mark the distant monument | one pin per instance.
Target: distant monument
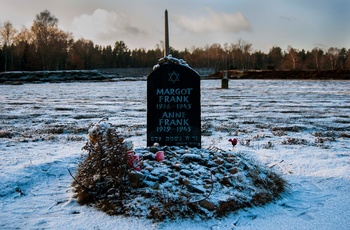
(166, 34)
(173, 102)
(224, 80)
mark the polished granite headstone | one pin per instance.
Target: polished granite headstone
(173, 106)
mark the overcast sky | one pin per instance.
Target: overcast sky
(302, 24)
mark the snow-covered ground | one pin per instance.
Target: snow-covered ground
(299, 128)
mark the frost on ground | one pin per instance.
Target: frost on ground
(298, 128)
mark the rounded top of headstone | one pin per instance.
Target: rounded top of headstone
(170, 60)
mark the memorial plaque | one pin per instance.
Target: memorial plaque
(173, 106)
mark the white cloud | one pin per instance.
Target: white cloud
(215, 22)
(104, 25)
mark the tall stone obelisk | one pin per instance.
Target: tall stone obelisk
(166, 39)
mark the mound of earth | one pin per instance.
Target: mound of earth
(338, 74)
(170, 182)
(20, 77)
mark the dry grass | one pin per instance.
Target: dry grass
(102, 177)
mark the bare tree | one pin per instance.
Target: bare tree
(292, 57)
(343, 55)
(7, 32)
(44, 28)
(347, 61)
(23, 44)
(317, 55)
(216, 55)
(241, 53)
(333, 54)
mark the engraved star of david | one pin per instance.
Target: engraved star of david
(174, 77)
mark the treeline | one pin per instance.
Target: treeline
(46, 47)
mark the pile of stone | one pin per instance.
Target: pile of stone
(169, 182)
(189, 182)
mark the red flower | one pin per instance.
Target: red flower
(233, 141)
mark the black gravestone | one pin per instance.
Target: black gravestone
(173, 106)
